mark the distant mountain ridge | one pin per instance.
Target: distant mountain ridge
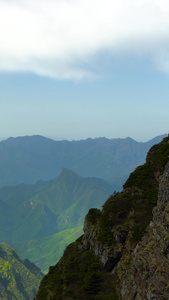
(124, 252)
(32, 158)
(40, 210)
(37, 211)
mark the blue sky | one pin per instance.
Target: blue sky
(77, 69)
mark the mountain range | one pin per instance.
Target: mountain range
(40, 216)
(124, 251)
(36, 211)
(32, 158)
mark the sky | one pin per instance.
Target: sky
(73, 69)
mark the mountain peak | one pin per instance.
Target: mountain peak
(65, 172)
(122, 261)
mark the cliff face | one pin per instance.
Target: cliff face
(148, 275)
(124, 251)
(108, 253)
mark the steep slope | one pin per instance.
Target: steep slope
(29, 159)
(106, 262)
(18, 279)
(40, 210)
(47, 251)
(148, 274)
(33, 212)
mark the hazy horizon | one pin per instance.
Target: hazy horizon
(75, 69)
(80, 139)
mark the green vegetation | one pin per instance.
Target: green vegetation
(38, 211)
(47, 251)
(93, 215)
(119, 227)
(143, 176)
(18, 279)
(78, 275)
(134, 205)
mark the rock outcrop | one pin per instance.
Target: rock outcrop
(148, 275)
(124, 252)
(109, 254)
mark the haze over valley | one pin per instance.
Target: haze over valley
(84, 128)
(41, 214)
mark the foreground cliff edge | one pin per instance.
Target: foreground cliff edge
(124, 252)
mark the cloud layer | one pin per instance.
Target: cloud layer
(60, 38)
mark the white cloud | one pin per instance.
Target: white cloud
(57, 37)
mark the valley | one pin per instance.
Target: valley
(41, 216)
(123, 253)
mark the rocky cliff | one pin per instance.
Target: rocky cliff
(148, 275)
(124, 251)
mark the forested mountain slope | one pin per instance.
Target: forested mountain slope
(123, 253)
(47, 251)
(18, 279)
(37, 211)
